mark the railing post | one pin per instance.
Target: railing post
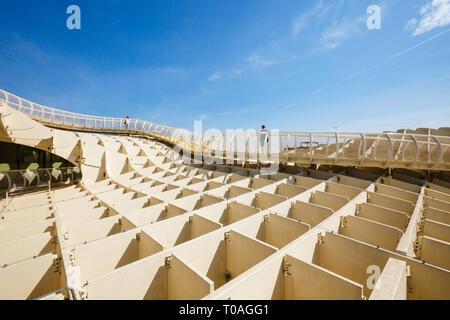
(328, 147)
(441, 154)
(296, 143)
(31, 110)
(337, 145)
(375, 146)
(390, 149)
(362, 155)
(343, 147)
(310, 146)
(287, 146)
(280, 141)
(247, 149)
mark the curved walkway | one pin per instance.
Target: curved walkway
(385, 150)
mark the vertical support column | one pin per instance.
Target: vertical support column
(71, 270)
(406, 243)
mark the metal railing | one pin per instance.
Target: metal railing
(64, 291)
(26, 179)
(388, 150)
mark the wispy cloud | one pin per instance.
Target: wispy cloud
(229, 112)
(334, 35)
(298, 24)
(289, 106)
(302, 20)
(257, 62)
(329, 40)
(237, 72)
(169, 69)
(225, 75)
(420, 44)
(399, 54)
(411, 24)
(215, 76)
(434, 14)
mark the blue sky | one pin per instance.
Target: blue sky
(292, 65)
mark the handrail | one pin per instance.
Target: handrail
(23, 179)
(72, 292)
(421, 151)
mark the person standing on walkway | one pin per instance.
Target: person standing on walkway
(263, 138)
(127, 122)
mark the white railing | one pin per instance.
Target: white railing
(389, 150)
(18, 180)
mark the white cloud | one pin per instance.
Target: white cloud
(333, 36)
(215, 76)
(298, 24)
(234, 112)
(411, 24)
(237, 72)
(256, 61)
(399, 54)
(420, 44)
(434, 14)
(203, 117)
(301, 21)
(289, 106)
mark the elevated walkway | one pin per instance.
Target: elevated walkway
(141, 223)
(382, 150)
